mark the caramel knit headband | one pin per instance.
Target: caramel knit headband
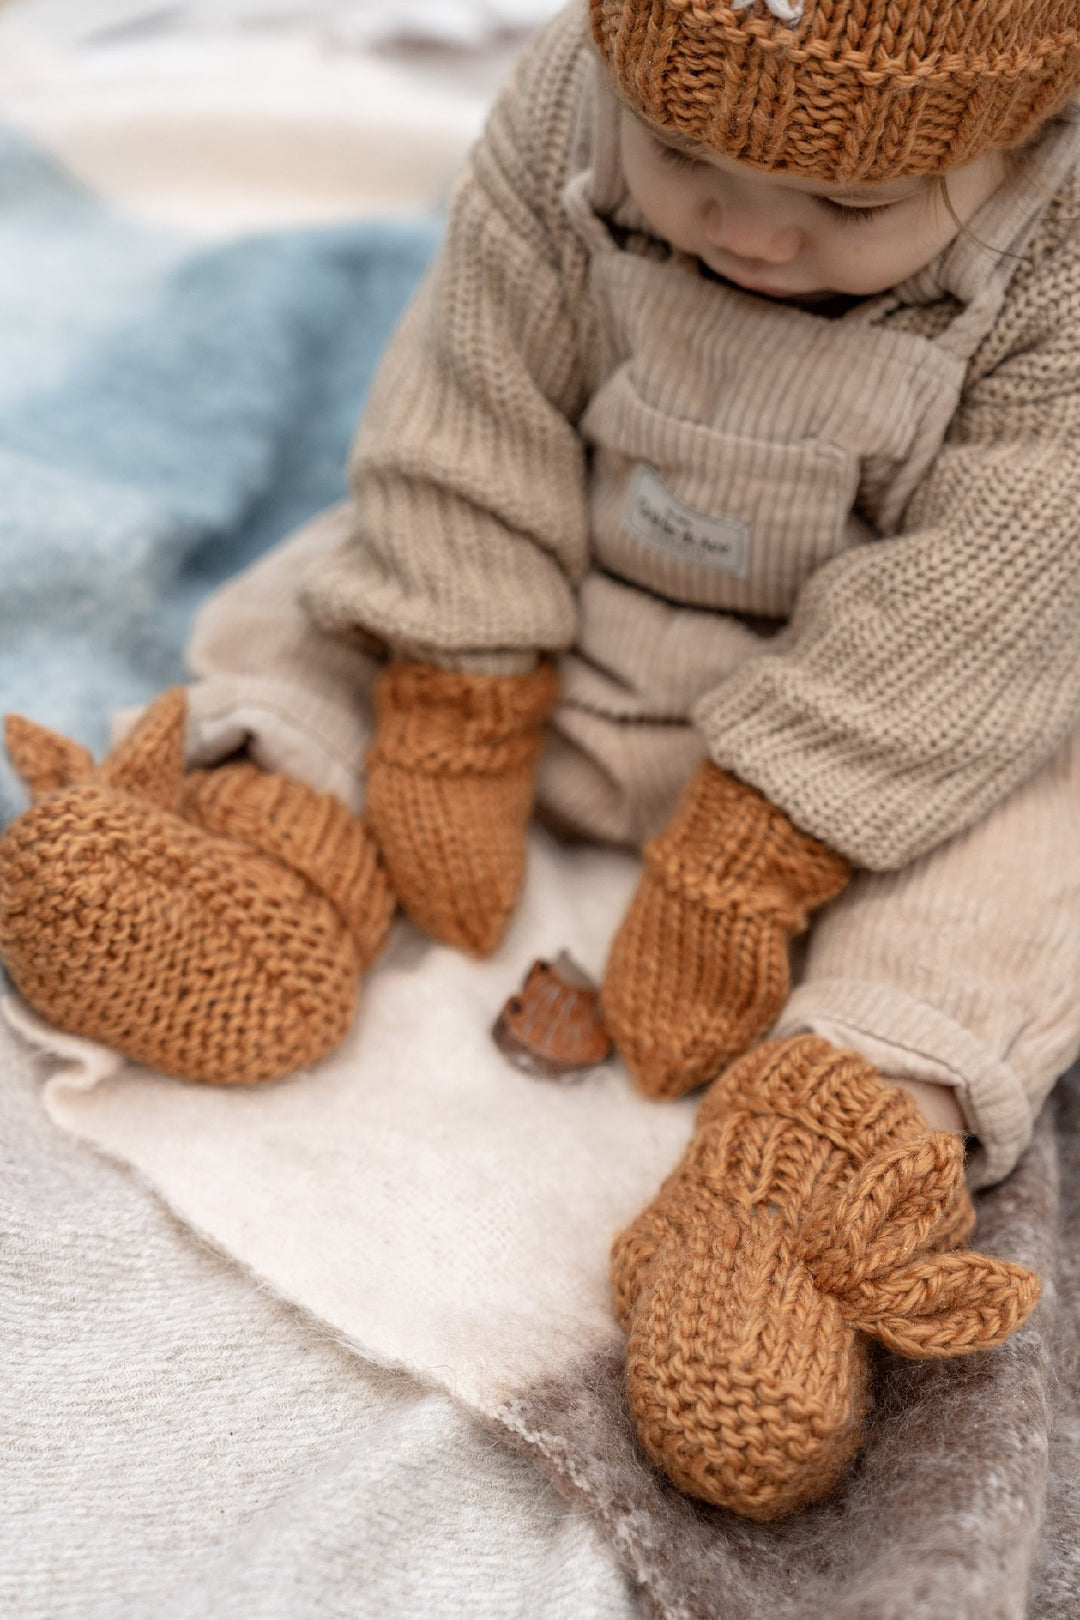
(860, 90)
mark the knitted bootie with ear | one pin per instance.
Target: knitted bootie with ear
(213, 926)
(698, 969)
(450, 792)
(811, 1211)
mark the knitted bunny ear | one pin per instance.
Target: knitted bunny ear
(149, 761)
(877, 1248)
(45, 760)
(904, 1202)
(946, 1304)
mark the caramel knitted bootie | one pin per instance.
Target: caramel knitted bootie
(450, 792)
(213, 926)
(698, 969)
(811, 1210)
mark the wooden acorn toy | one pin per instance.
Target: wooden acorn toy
(213, 925)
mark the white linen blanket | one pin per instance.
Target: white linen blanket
(437, 1209)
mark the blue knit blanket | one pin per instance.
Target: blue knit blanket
(168, 408)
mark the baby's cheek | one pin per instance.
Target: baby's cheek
(865, 267)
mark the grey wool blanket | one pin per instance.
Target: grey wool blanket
(966, 1501)
(342, 1346)
(428, 1214)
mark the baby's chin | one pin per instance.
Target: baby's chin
(821, 295)
(778, 295)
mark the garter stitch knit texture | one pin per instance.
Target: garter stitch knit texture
(699, 967)
(450, 791)
(213, 926)
(856, 90)
(811, 1211)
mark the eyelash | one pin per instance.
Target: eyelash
(677, 159)
(849, 215)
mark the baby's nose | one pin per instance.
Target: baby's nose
(750, 234)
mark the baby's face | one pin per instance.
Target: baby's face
(786, 237)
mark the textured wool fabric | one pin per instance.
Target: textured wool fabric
(182, 1443)
(450, 790)
(270, 685)
(214, 926)
(811, 1212)
(231, 1467)
(961, 1503)
(962, 968)
(434, 1205)
(959, 970)
(963, 1500)
(575, 433)
(148, 388)
(178, 1442)
(698, 969)
(844, 90)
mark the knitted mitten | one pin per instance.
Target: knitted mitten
(212, 926)
(450, 792)
(698, 969)
(811, 1209)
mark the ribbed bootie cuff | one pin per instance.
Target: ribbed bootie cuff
(445, 723)
(727, 847)
(836, 1094)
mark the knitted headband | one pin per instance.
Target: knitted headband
(856, 90)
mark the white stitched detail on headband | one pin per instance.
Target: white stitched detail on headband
(779, 8)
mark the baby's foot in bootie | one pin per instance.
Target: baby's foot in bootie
(212, 925)
(450, 791)
(698, 969)
(811, 1211)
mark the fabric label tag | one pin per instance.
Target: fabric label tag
(657, 517)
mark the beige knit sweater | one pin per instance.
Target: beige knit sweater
(841, 554)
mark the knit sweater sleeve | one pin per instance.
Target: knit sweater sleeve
(470, 520)
(927, 674)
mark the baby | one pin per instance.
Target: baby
(718, 496)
